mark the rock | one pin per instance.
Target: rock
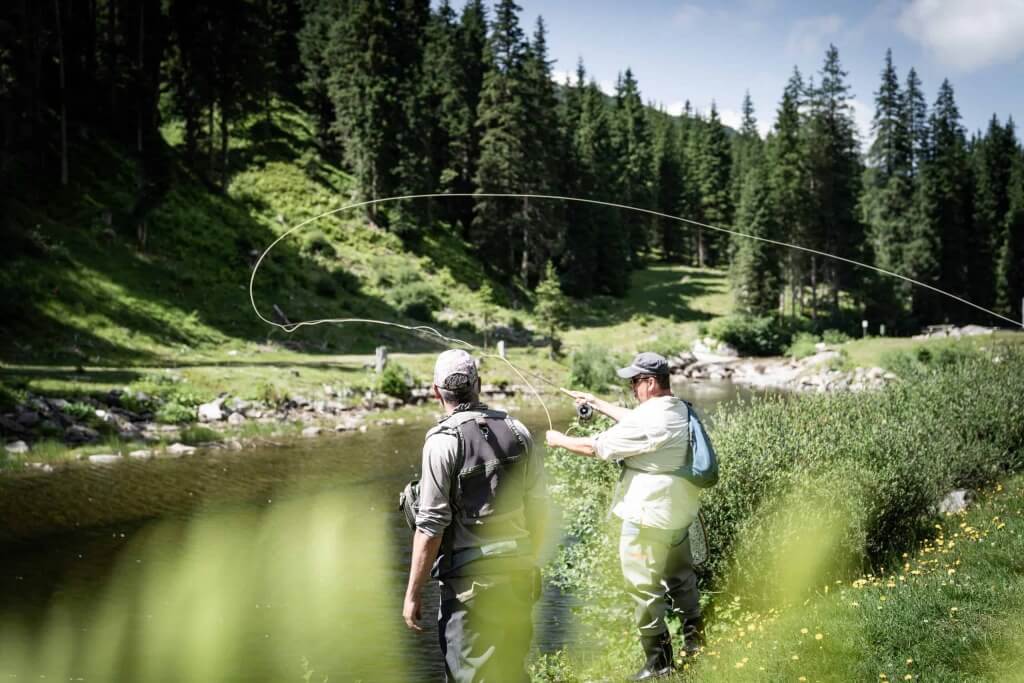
(79, 434)
(876, 373)
(400, 422)
(27, 418)
(58, 404)
(310, 432)
(211, 412)
(233, 445)
(236, 419)
(7, 424)
(956, 501)
(362, 429)
(394, 403)
(329, 390)
(299, 401)
(141, 454)
(41, 466)
(239, 405)
(177, 449)
(105, 459)
(253, 413)
(17, 448)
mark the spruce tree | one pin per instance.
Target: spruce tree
(666, 172)
(789, 177)
(714, 169)
(945, 211)
(499, 224)
(755, 271)
(835, 173)
(915, 112)
(633, 138)
(993, 158)
(1010, 270)
(887, 199)
(314, 39)
(746, 145)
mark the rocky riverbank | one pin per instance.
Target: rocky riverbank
(129, 421)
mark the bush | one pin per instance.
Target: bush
(172, 413)
(416, 300)
(667, 346)
(395, 381)
(870, 468)
(592, 367)
(752, 335)
(804, 344)
(193, 436)
(79, 411)
(834, 337)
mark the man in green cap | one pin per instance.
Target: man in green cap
(655, 504)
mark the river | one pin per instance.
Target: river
(92, 556)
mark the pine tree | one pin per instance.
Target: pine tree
(887, 198)
(755, 270)
(915, 111)
(714, 168)
(443, 97)
(498, 224)
(835, 173)
(552, 307)
(790, 181)
(633, 139)
(1010, 271)
(313, 41)
(945, 211)
(667, 172)
(746, 144)
(992, 157)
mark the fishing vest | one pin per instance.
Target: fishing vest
(487, 497)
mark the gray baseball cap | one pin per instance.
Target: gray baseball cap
(646, 363)
(454, 370)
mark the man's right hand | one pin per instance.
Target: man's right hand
(411, 612)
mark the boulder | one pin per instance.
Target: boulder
(177, 449)
(310, 432)
(41, 466)
(105, 459)
(27, 418)
(236, 419)
(141, 454)
(211, 412)
(79, 434)
(955, 501)
(17, 448)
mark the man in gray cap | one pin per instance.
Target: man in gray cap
(656, 506)
(483, 504)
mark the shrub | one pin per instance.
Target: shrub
(834, 337)
(395, 381)
(804, 344)
(197, 435)
(667, 346)
(79, 411)
(752, 335)
(172, 412)
(592, 367)
(417, 300)
(869, 467)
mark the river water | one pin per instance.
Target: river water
(91, 556)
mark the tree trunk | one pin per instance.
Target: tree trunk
(814, 289)
(700, 247)
(224, 132)
(63, 100)
(211, 147)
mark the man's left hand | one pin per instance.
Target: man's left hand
(553, 438)
(411, 612)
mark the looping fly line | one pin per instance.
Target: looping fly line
(433, 333)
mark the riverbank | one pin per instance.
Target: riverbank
(242, 397)
(843, 481)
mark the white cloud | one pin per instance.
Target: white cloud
(607, 86)
(675, 108)
(731, 118)
(809, 36)
(559, 76)
(966, 34)
(862, 115)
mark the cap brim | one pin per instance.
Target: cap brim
(631, 371)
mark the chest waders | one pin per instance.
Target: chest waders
(488, 488)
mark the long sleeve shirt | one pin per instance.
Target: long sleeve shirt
(654, 440)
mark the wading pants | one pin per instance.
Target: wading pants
(485, 626)
(658, 569)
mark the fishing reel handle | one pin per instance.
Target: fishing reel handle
(584, 411)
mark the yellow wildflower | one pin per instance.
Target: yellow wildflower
(818, 636)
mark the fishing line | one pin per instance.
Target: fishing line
(435, 335)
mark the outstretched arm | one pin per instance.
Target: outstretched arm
(575, 444)
(613, 411)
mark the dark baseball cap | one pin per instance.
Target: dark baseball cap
(646, 363)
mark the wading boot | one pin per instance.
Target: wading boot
(658, 650)
(693, 635)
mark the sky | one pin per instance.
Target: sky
(715, 51)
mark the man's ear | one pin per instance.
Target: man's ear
(437, 393)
